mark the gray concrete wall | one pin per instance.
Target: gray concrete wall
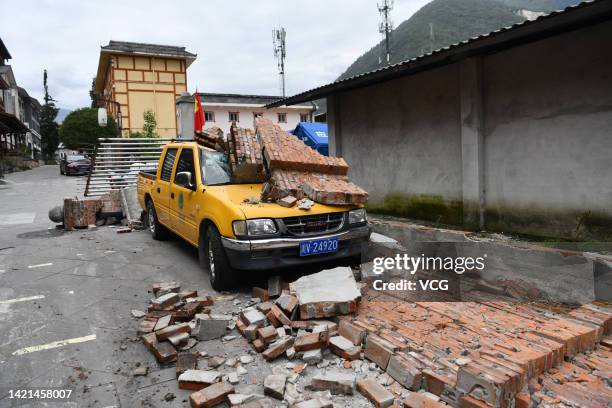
(548, 144)
(517, 141)
(402, 140)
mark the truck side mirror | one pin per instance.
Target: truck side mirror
(184, 179)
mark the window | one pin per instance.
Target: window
(282, 118)
(304, 117)
(209, 116)
(215, 167)
(234, 117)
(185, 163)
(168, 164)
(257, 115)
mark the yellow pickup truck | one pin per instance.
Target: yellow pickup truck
(191, 194)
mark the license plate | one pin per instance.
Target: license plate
(318, 246)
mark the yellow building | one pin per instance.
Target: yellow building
(142, 77)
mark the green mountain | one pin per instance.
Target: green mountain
(445, 22)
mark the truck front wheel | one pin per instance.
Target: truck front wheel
(158, 231)
(213, 257)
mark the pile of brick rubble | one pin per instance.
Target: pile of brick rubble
(293, 173)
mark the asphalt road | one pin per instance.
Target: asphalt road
(79, 286)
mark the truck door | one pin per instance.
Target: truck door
(183, 203)
(161, 193)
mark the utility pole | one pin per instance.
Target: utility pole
(386, 25)
(280, 52)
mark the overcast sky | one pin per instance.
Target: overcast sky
(232, 38)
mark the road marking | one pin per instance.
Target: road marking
(40, 265)
(23, 299)
(17, 218)
(53, 345)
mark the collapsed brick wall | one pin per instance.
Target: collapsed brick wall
(212, 138)
(80, 213)
(299, 171)
(246, 162)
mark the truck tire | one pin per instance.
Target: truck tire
(158, 231)
(213, 257)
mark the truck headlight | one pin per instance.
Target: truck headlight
(358, 216)
(262, 226)
(239, 228)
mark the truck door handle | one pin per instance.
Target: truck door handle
(158, 190)
(172, 196)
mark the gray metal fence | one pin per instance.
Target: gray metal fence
(116, 163)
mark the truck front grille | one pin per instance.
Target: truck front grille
(313, 224)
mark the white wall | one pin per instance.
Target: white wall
(246, 115)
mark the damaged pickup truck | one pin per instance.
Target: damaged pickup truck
(192, 195)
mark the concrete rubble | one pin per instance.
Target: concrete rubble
(356, 347)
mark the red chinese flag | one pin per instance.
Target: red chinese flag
(198, 115)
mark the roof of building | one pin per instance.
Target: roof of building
(571, 18)
(239, 99)
(147, 49)
(4, 53)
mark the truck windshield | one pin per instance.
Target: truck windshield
(215, 167)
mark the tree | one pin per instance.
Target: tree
(150, 123)
(81, 130)
(48, 126)
(93, 95)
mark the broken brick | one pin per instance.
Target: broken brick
(259, 345)
(185, 294)
(163, 288)
(274, 386)
(277, 348)
(253, 316)
(310, 341)
(417, 400)
(335, 382)
(280, 316)
(164, 301)
(195, 380)
(164, 352)
(187, 312)
(147, 325)
(179, 339)
(186, 361)
(287, 303)
(262, 294)
(406, 370)
(344, 348)
(163, 322)
(211, 326)
(376, 393)
(267, 334)
(351, 332)
(250, 332)
(211, 396)
(173, 330)
(378, 350)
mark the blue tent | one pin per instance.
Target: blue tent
(314, 135)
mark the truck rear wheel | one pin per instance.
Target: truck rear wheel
(158, 231)
(213, 258)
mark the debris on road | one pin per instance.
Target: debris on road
(321, 347)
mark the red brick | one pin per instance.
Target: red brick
(378, 350)
(80, 213)
(376, 393)
(259, 345)
(287, 303)
(277, 348)
(211, 396)
(169, 331)
(195, 380)
(186, 361)
(351, 332)
(416, 400)
(267, 334)
(406, 370)
(188, 294)
(344, 348)
(165, 301)
(147, 325)
(262, 294)
(279, 316)
(164, 352)
(310, 341)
